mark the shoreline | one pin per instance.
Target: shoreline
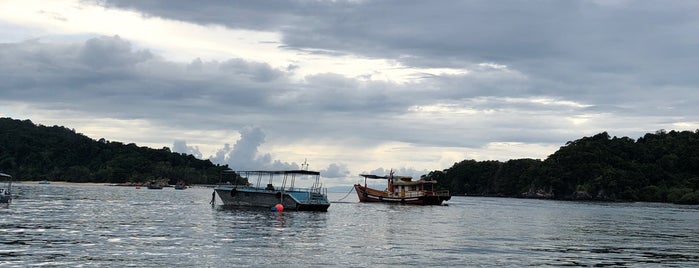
(65, 183)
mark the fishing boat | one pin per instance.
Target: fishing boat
(5, 188)
(154, 185)
(260, 190)
(403, 190)
(180, 185)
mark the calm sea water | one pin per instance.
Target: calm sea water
(91, 226)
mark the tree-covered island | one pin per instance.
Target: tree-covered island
(36, 152)
(659, 167)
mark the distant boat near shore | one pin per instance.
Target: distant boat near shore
(5, 188)
(154, 185)
(180, 185)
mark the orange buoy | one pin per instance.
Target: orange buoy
(278, 208)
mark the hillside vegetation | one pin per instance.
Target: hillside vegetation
(36, 152)
(659, 167)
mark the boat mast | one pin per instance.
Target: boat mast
(304, 165)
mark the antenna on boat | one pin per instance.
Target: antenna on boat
(305, 164)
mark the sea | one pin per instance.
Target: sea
(107, 226)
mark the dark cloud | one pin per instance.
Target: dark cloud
(584, 44)
(106, 52)
(541, 72)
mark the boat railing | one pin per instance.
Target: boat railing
(289, 189)
(413, 194)
(441, 193)
(422, 193)
(438, 193)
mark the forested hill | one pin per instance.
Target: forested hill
(660, 167)
(36, 152)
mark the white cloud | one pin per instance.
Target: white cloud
(351, 86)
(181, 147)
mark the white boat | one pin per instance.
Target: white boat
(5, 188)
(260, 191)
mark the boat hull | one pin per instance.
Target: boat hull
(254, 197)
(366, 194)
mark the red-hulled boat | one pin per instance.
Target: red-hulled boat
(402, 189)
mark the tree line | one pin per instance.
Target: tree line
(36, 152)
(659, 167)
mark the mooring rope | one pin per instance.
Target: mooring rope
(348, 193)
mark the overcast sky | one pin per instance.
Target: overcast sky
(351, 86)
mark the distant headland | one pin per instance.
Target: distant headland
(658, 167)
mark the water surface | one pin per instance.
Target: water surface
(90, 226)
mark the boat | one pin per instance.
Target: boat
(180, 185)
(402, 190)
(154, 185)
(262, 192)
(5, 188)
(44, 182)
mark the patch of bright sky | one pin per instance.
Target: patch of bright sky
(459, 108)
(686, 125)
(184, 42)
(444, 108)
(504, 151)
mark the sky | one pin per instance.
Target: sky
(351, 87)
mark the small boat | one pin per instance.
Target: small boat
(154, 185)
(44, 182)
(180, 185)
(260, 190)
(403, 190)
(5, 188)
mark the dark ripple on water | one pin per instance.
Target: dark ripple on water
(92, 226)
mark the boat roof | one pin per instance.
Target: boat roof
(417, 182)
(275, 172)
(371, 176)
(5, 175)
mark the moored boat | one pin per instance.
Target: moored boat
(5, 188)
(260, 190)
(403, 190)
(180, 185)
(154, 185)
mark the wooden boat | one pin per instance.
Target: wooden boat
(5, 188)
(260, 190)
(403, 190)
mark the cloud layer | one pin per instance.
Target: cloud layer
(353, 86)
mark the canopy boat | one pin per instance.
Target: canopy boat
(5, 188)
(402, 189)
(263, 193)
